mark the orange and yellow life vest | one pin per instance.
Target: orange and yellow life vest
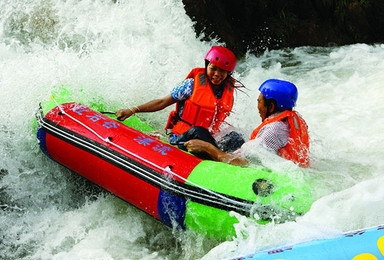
(202, 108)
(297, 149)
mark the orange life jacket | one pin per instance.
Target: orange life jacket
(297, 148)
(202, 108)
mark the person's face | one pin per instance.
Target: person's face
(261, 106)
(215, 74)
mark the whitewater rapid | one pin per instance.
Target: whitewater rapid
(128, 52)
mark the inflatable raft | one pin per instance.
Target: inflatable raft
(171, 185)
(365, 244)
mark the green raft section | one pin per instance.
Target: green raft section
(61, 95)
(280, 197)
(276, 196)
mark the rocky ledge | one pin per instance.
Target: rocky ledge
(257, 25)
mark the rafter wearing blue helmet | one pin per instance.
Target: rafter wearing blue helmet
(282, 130)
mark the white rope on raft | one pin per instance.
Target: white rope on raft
(166, 169)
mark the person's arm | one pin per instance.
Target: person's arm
(151, 106)
(215, 153)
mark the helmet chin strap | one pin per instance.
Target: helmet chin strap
(267, 114)
(270, 108)
(210, 82)
(222, 84)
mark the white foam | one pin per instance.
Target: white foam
(134, 51)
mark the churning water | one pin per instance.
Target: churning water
(128, 52)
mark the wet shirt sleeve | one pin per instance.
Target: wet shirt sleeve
(183, 91)
(274, 136)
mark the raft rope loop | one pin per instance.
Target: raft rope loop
(166, 169)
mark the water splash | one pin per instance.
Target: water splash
(128, 52)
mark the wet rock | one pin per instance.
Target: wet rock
(273, 24)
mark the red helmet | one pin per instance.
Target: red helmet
(222, 58)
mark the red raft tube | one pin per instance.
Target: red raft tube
(169, 184)
(132, 165)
